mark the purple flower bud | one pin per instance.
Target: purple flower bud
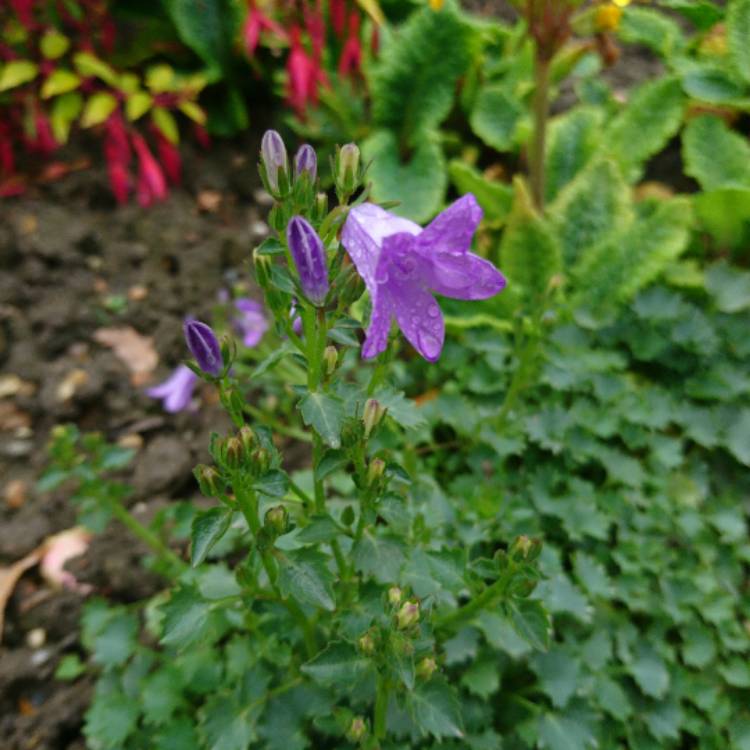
(273, 156)
(203, 345)
(310, 258)
(306, 161)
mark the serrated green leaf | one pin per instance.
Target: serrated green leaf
(495, 117)
(529, 253)
(208, 527)
(325, 414)
(186, 618)
(737, 438)
(436, 711)
(380, 556)
(571, 731)
(651, 28)
(653, 114)
(69, 668)
(417, 182)
(274, 483)
(162, 695)
(482, 678)
(709, 83)
(338, 664)
(401, 409)
(573, 140)
(730, 287)
(531, 622)
(594, 206)
(649, 671)
(110, 720)
(226, 723)
(714, 155)
(558, 675)
(612, 698)
(738, 36)
(321, 529)
(304, 575)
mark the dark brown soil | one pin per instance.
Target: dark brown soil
(73, 263)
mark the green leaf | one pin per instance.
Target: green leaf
(436, 711)
(186, 618)
(418, 180)
(89, 65)
(164, 121)
(325, 414)
(16, 73)
(612, 698)
(161, 696)
(730, 287)
(529, 252)
(646, 123)
(401, 409)
(651, 28)
(208, 527)
(304, 575)
(738, 36)
(137, 104)
(594, 206)
(60, 82)
(493, 196)
(558, 675)
(699, 647)
(617, 269)
(714, 155)
(495, 117)
(712, 84)
(338, 664)
(532, 622)
(110, 633)
(111, 720)
(739, 732)
(379, 556)
(571, 731)
(227, 723)
(321, 529)
(738, 437)
(649, 671)
(573, 140)
(65, 109)
(414, 79)
(69, 668)
(482, 678)
(53, 44)
(97, 109)
(274, 483)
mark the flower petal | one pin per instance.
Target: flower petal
(376, 339)
(465, 276)
(451, 230)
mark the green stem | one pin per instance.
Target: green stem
(461, 616)
(275, 692)
(274, 424)
(382, 691)
(146, 535)
(541, 114)
(248, 503)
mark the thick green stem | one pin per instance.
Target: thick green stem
(539, 136)
(146, 535)
(382, 693)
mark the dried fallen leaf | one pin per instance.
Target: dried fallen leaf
(133, 349)
(71, 384)
(209, 201)
(12, 385)
(12, 418)
(9, 577)
(137, 293)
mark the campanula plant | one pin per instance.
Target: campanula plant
(327, 603)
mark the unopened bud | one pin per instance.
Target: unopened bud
(330, 357)
(234, 452)
(204, 346)
(426, 668)
(208, 479)
(357, 730)
(306, 162)
(373, 414)
(524, 548)
(261, 458)
(277, 519)
(248, 440)
(274, 166)
(347, 169)
(309, 257)
(262, 263)
(375, 470)
(320, 207)
(367, 644)
(395, 595)
(408, 615)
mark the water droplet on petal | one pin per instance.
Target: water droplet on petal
(429, 345)
(433, 310)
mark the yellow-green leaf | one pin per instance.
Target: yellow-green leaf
(373, 9)
(54, 44)
(98, 108)
(193, 111)
(129, 83)
(64, 111)
(160, 78)
(137, 104)
(90, 65)
(17, 72)
(166, 124)
(60, 82)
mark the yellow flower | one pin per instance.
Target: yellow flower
(608, 18)
(436, 4)
(621, 3)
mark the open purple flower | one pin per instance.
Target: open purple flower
(403, 265)
(177, 390)
(203, 345)
(251, 323)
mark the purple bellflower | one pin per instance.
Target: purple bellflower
(177, 390)
(305, 160)
(309, 256)
(251, 323)
(403, 265)
(204, 346)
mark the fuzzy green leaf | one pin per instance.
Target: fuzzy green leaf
(716, 156)
(495, 117)
(651, 28)
(738, 36)
(304, 575)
